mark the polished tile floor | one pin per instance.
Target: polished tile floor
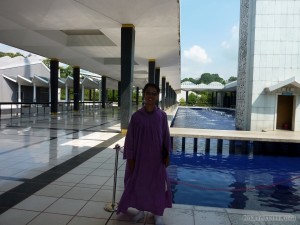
(58, 170)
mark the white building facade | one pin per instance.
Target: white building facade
(268, 85)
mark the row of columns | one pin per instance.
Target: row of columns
(127, 68)
(54, 68)
(168, 95)
(224, 99)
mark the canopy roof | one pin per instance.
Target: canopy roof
(213, 86)
(87, 33)
(291, 81)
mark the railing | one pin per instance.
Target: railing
(279, 142)
(24, 109)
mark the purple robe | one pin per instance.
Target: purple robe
(147, 188)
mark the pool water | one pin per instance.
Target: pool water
(242, 181)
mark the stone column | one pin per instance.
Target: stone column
(127, 68)
(151, 71)
(163, 93)
(76, 84)
(103, 91)
(54, 85)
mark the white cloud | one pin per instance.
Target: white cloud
(232, 43)
(235, 32)
(225, 45)
(197, 54)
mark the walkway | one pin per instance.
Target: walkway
(59, 170)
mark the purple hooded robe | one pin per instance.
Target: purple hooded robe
(147, 188)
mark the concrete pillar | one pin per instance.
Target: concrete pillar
(219, 145)
(195, 144)
(103, 91)
(34, 92)
(163, 93)
(157, 81)
(82, 93)
(207, 145)
(173, 96)
(167, 95)
(49, 100)
(157, 77)
(186, 97)
(99, 92)
(119, 94)
(54, 85)
(127, 68)
(76, 84)
(19, 92)
(137, 96)
(67, 93)
(151, 71)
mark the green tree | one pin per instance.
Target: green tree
(231, 79)
(140, 97)
(10, 54)
(112, 97)
(205, 78)
(66, 71)
(205, 99)
(182, 102)
(47, 62)
(192, 99)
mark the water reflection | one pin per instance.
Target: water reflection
(244, 175)
(236, 181)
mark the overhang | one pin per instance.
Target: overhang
(40, 82)
(213, 86)
(61, 83)
(69, 82)
(23, 81)
(9, 78)
(291, 81)
(87, 33)
(89, 83)
(230, 86)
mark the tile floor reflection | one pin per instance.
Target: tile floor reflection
(59, 170)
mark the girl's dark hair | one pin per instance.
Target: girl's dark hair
(151, 85)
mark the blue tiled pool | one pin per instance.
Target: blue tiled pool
(241, 181)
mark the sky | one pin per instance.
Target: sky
(209, 37)
(209, 32)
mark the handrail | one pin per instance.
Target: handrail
(20, 109)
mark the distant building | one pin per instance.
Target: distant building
(27, 79)
(268, 85)
(20, 75)
(222, 95)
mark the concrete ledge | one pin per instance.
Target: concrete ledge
(270, 136)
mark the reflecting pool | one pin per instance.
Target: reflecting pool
(243, 180)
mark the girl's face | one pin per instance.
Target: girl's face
(151, 96)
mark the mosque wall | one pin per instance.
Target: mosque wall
(269, 55)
